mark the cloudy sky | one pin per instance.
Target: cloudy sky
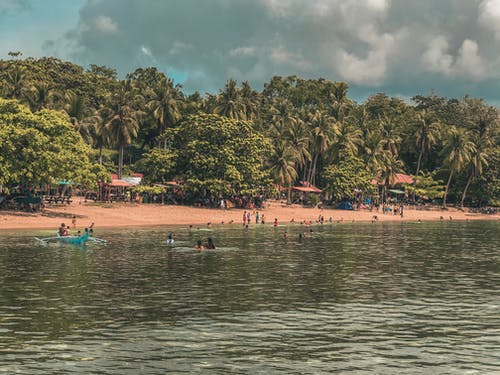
(400, 47)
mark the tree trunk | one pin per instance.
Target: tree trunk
(313, 169)
(120, 162)
(465, 191)
(289, 195)
(446, 190)
(418, 171)
(100, 155)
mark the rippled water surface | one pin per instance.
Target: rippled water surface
(351, 298)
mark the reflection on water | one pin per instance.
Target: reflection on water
(362, 298)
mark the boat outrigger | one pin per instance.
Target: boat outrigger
(73, 240)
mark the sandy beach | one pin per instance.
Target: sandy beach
(120, 215)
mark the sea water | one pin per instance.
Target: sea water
(391, 298)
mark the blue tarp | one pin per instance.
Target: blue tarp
(345, 206)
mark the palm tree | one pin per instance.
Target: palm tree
(282, 166)
(425, 136)
(80, 115)
(390, 166)
(165, 105)
(251, 101)
(230, 103)
(16, 83)
(340, 104)
(281, 117)
(41, 96)
(348, 141)
(484, 121)
(122, 124)
(323, 130)
(457, 152)
(297, 136)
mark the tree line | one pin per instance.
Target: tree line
(242, 141)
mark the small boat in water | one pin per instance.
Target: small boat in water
(73, 240)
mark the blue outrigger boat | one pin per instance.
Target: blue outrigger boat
(73, 240)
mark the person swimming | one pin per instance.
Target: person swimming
(199, 246)
(170, 239)
(63, 230)
(210, 243)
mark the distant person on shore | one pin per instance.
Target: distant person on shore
(199, 246)
(257, 217)
(210, 243)
(248, 217)
(275, 222)
(73, 222)
(263, 221)
(244, 217)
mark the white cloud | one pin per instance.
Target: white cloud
(466, 64)
(390, 45)
(489, 16)
(435, 58)
(106, 24)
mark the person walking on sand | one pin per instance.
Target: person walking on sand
(275, 222)
(263, 221)
(248, 217)
(73, 222)
(244, 217)
(257, 217)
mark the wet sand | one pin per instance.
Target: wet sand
(121, 215)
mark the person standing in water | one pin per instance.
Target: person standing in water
(199, 246)
(210, 243)
(170, 239)
(275, 222)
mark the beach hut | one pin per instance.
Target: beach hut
(305, 189)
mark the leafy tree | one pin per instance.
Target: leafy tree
(156, 165)
(51, 148)
(217, 154)
(343, 179)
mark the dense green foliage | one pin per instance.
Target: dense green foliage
(41, 147)
(240, 140)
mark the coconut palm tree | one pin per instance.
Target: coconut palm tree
(348, 141)
(280, 117)
(389, 167)
(165, 105)
(41, 95)
(282, 166)
(230, 103)
(251, 101)
(484, 121)
(16, 84)
(79, 115)
(324, 129)
(457, 151)
(122, 123)
(297, 136)
(426, 136)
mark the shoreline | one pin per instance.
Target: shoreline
(132, 215)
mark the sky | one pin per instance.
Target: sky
(400, 47)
